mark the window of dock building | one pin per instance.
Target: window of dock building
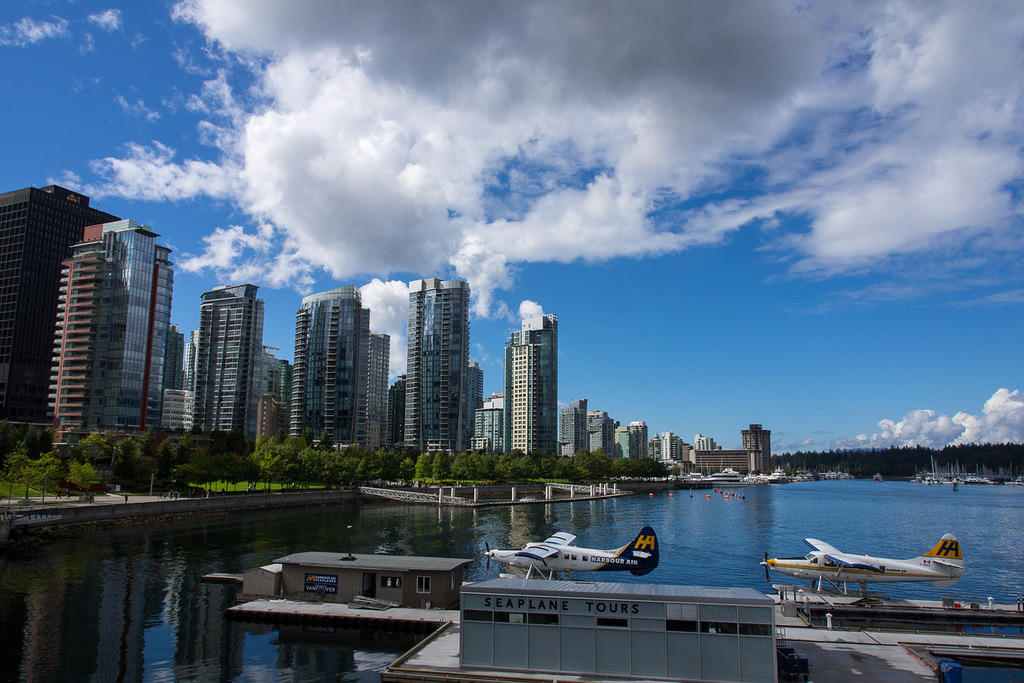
(422, 584)
(542, 618)
(476, 615)
(608, 621)
(510, 617)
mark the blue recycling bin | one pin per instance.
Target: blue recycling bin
(952, 672)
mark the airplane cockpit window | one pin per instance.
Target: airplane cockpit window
(810, 556)
(814, 560)
(829, 562)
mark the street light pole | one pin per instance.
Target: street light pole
(151, 475)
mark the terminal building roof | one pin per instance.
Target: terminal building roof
(636, 591)
(375, 562)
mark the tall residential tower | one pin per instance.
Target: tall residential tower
(531, 387)
(329, 375)
(436, 398)
(108, 350)
(228, 353)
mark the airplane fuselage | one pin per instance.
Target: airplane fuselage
(818, 565)
(568, 558)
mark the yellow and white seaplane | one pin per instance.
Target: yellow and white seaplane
(557, 553)
(942, 566)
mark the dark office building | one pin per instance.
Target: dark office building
(396, 412)
(37, 228)
(174, 355)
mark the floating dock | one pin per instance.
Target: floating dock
(339, 614)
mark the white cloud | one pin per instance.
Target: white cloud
(389, 314)
(137, 108)
(28, 31)
(150, 173)
(386, 138)
(108, 20)
(530, 309)
(1001, 421)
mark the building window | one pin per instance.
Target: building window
(422, 584)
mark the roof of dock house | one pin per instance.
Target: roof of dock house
(376, 562)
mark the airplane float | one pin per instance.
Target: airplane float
(557, 553)
(943, 565)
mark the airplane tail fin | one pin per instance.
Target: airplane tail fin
(947, 553)
(643, 549)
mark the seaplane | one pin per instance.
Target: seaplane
(943, 565)
(558, 554)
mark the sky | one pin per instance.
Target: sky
(801, 214)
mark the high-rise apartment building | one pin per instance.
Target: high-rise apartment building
(601, 431)
(531, 386)
(475, 396)
(489, 425)
(112, 320)
(631, 440)
(228, 351)
(670, 448)
(436, 390)
(174, 354)
(378, 368)
(703, 443)
(572, 428)
(177, 410)
(759, 440)
(396, 413)
(329, 377)
(37, 228)
(188, 373)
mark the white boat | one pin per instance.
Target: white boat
(727, 477)
(779, 476)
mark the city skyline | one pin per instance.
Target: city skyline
(807, 217)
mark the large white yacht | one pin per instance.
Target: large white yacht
(727, 477)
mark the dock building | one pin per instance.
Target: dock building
(618, 630)
(409, 581)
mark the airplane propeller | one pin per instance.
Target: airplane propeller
(488, 553)
(767, 575)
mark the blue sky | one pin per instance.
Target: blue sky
(801, 214)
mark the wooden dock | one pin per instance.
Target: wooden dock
(223, 577)
(339, 614)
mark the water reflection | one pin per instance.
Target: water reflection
(127, 604)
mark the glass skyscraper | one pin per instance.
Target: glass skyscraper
(436, 398)
(329, 375)
(228, 352)
(531, 387)
(113, 315)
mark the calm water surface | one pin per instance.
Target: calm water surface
(127, 604)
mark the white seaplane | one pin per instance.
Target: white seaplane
(558, 553)
(943, 565)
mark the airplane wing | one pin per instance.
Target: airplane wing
(560, 538)
(822, 546)
(537, 551)
(836, 555)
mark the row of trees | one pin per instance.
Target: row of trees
(137, 462)
(907, 461)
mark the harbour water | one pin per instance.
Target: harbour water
(127, 603)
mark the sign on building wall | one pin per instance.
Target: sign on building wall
(321, 583)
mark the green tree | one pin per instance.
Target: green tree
(97, 448)
(82, 475)
(462, 467)
(47, 471)
(440, 467)
(408, 469)
(424, 466)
